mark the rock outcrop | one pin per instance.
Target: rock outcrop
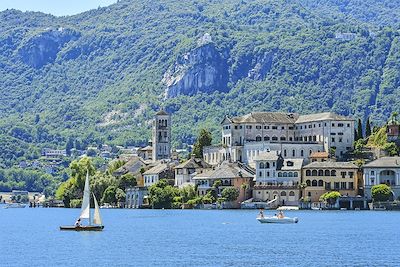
(44, 47)
(202, 70)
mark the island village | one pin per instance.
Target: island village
(264, 160)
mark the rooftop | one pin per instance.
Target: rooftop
(332, 164)
(159, 168)
(322, 117)
(267, 155)
(193, 163)
(266, 117)
(225, 171)
(319, 155)
(162, 112)
(384, 162)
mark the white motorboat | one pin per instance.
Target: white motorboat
(276, 219)
(15, 205)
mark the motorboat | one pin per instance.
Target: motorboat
(288, 208)
(15, 205)
(276, 219)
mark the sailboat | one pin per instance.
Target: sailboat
(96, 224)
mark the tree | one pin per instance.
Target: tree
(109, 195)
(230, 193)
(381, 192)
(120, 195)
(204, 139)
(330, 197)
(162, 194)
(391, 148)
(368, 128)
(187, 193)
(359, 130)
(127, 180)
(69, 146)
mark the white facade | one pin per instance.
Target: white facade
(150, 179)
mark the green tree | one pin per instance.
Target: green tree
(368, 128)
(162, 194)
(109, 195)
(330, 197)
(391, 148)
(359, 130)
(127, 180)
(230, 193)
(120, 195)
(381, 192)
(204, 139)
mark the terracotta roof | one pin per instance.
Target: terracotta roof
(384, 162)
(332, 164)
(319, 155)
(322, 117)
(225, 171)
(266, 117)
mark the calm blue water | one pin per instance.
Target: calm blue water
(30, 237)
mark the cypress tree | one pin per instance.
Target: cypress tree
(355, 134)
(368, 128)
(359, 130)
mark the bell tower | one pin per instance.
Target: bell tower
(161, 136)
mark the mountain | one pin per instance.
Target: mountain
(98, 77)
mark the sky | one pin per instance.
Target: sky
(55, 7)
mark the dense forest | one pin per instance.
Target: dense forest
(98, 77)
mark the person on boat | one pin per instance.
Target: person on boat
(78, 222)
(280, 215)
(261, 214)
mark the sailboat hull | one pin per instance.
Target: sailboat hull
(83, 228)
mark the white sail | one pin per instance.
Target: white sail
(96, 217)
(85, 211)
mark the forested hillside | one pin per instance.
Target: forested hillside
(98, 77)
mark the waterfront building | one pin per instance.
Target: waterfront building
(185, 171)
(277, 178)
(294, 135)
(230, 175)
(385, 170)
(161, 136)
(136, 197)
(160, 171)
(322, 177)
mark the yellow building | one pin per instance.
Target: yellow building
(326, 176)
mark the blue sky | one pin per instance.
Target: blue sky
(55, 7)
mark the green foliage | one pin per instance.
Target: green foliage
(378, 138)
(204, 139)
(127, 180)
(391, 148)
(368, 128)
(109, 195)
(75, 203)
(162, 194)
(187, 193)
(330, 197)
(381, 192)
(359, 130)
(230, 193)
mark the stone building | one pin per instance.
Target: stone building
(161, 136)
(294, 135)
(326, 176)
(385, 170)
(277, 178)
(185, 171)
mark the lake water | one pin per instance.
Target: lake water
(31, 237)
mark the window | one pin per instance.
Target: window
(333, 133)
(308, 173)
(351, 185)
(351, 174)
(337, 185)
(372, 173)
(258, 127)
(348, 125)
(260, 174)
(266, 138)
(333, 173)
(262, 165)
(290, 174)
(343, 185)
(279, 174)
(340, 125)
(343, 174)
(248, 127)
(320, 183)
(284, 153)
(302, 153)
(274, 127)
(283, 194)
(333, 125)
(274, 138)
(327, 173)
(314, 183)
(314, 173)
(267, 174)
(333, 139)
(236, 127)
(258, 138)
(308, 183)
(285, 174)
(267, 165)
(309, 194)
(283, 138)
(320, 173)
(295, 174)
(290, 163)
(291, 193)
(283, 127)
(293, 153)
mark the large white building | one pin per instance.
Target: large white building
(294, 135)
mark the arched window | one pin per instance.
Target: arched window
(274, 138)
(310, 152)
(290, 174)
(284, 153)
(320, 173)
(320, 183)
(308, 182)
(266, 138)
(283, 138)
(302, 153)
(314, 183)
(291, 193)
(285, 174)
(308, 173)
(333, 173)
(314, 172)
(283, 194)
(258, 138)
(279, 174)
(295, 174)
(262, 165)
(327, 173)
(293, 153)
(267, 165)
